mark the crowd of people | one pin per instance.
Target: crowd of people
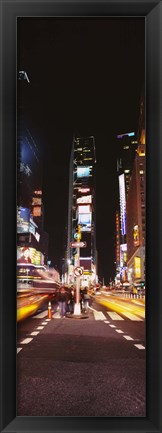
(66, 298)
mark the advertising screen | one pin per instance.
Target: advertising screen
(137, 267)
(85, 219)
(25, 255)
(123, 254)
(83, 190)
(23, 218)
(84, 209)
(36, 201)
(28, 255)
(84, 199)
(136, 235)
(36, 211)
(82, 171)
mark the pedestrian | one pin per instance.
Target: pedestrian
(86, 299)
(62, 299)
(82, 299)
(71, 301)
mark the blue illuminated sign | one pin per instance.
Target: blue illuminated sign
(82, 171)
(130, 134)
(85, 219)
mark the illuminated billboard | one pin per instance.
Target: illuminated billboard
(83, 171)
(137, 267)
(29, 255)
(123, 254)
(38, 192)
(84, 199)
(84, 209)
(36, 201)
(136, 235)
(23, 218)
(85, 219)
(129, 134)
(83, 189)
(36, 211)
(122, 203)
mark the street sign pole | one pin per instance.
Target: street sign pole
(77, 309)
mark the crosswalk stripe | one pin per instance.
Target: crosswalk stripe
(34, 333)
(26, 341)
(56, 315)
(18, 349)
(41, 315)
(114, 316)
(99, 315)
(139, 346)
(127, 337)
(131, 316)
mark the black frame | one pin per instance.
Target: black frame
(152, 11)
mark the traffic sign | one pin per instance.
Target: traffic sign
(77, 236)
(78, 271)
(78, 244)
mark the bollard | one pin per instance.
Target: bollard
(49, 310)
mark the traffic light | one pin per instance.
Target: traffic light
(77, 234)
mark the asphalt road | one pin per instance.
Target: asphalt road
(91, 367)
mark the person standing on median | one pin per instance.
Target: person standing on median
(62, 300)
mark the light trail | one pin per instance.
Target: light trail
(123, 306)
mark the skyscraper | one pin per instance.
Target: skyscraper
(81, 211)
(136, 208)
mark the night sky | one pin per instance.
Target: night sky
(86, 77)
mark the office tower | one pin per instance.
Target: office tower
(136, 209)
(127, 152)
(81, 212)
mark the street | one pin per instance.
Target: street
(91, 367)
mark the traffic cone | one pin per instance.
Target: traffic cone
(49, 310)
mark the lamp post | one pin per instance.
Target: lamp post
(77, 309)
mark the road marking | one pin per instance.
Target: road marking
(41, 315)
(56, 315)
(114, 316)
(48, 320)
(99, 315)
(139, 346)
(113, 326)
(106, 321)
(18, 349)
(92, 309)
(127, 337)
(40, 327)
(27, 340)
(34, 333)
(131, 316)
(119, 331)
(44, 323)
